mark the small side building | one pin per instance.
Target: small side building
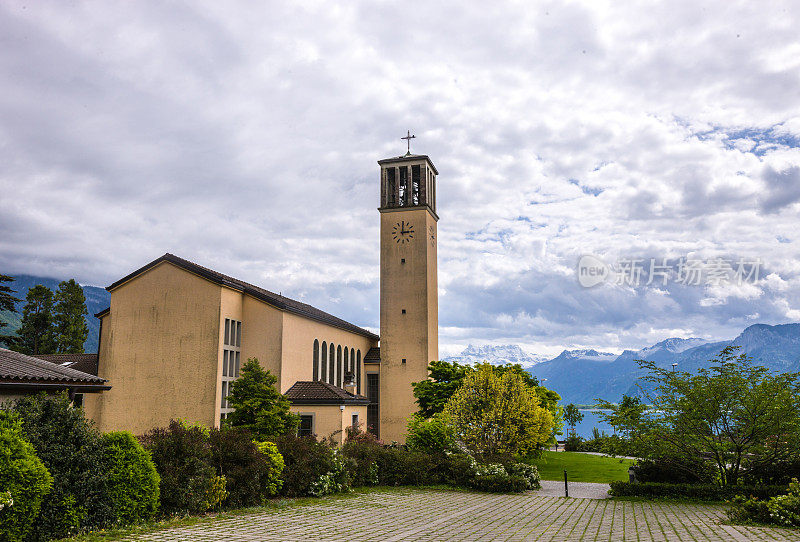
(327, 410)
(22, 375)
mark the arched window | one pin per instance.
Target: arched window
(316, 360)
(324, 367)
(339, 365)
(347, 368)
(332, 365)
(358, 373)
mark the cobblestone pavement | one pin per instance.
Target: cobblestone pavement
(577, 490)
(428, 515)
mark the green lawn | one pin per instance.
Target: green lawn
(582, 467)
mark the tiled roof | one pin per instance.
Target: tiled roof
(373, 355)
(86, 363)
(322, 393)
(19, 368)
(276, 300)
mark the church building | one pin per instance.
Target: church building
(176, 333)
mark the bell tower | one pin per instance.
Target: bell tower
(409, 308)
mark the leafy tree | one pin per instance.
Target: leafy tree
(626, 416)
(69, 321)
(260, 407)
(35, 334)
(573, 416)
(445, 378)
(498, 415)
(737, 416)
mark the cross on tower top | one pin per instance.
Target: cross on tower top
(408, 139)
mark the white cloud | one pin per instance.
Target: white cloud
(246, 137)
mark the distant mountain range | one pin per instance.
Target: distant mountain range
(496, 355)
(583, 376)
(97, 299)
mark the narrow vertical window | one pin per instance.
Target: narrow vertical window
(332, 366)
(339, 366)
(224, 394)
(224, 363)
(358, 373)
(346, 360)
(236, 374)
(227, 330)
(315, 361)
(324, 368)
(238, 334)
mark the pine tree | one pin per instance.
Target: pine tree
(35, 334)
(69, 320)
(6, 301)
(259, 405)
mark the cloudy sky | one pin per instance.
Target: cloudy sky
(245, 137)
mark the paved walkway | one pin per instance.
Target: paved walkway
(577, 490)
(427, 515)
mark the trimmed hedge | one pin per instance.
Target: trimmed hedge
(132, 479)
(700, 492)
(24, 481)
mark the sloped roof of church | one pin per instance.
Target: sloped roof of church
(22, 369)
(321, 393)
(276, 300)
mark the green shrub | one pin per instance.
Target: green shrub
(529, 473)
(572, 444)
(458, 470)
(272, 483)
(70, 448)
(182, 456)
(133, 483)
(494, 478)
(700, 492)
(306, 461)
(335, 480)
(433, 435)
(24, 481)
(780, 510)
(251, 475)
(673, 470)
(362, 451)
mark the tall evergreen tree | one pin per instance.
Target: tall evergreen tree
(69, 320)
(6, 299)
(6, 304)
(35, 334)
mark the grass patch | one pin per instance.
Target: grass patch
(582, 467)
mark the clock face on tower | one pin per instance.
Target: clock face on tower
(403, 232)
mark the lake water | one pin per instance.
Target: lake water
(590, 419)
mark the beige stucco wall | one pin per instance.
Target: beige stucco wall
(298, 347)
(160, 351)
(413, 335)
(330, 419)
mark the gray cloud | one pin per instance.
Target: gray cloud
(245, 138)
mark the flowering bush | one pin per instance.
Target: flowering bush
(335, 480)
(781, 510)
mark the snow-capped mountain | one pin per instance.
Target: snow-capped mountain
(583, 376)
(496, 355)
